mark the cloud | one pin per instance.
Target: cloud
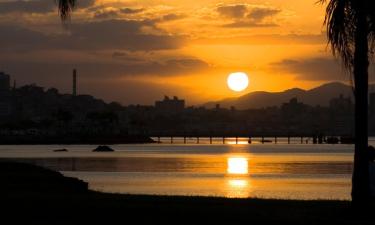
(313, 69)
(242, 15)
(99, 35)
(241, 24)
(131, 11)
(106, 14)
(259, 14)
(267, 39)
(173, 16)
(232, 11)
(121, 65)
(36, 6)
(125, 56)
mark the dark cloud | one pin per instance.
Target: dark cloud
(106, 14)
(99, 35)
(172, 16)
(131, 11)
(36, 6)
(244, 24)
(114, 13)
(125, 56)
(258, 14)
(103, 69)
(232, 11)
(319, 69)
(246, 16)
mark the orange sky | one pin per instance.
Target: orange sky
(137, 51)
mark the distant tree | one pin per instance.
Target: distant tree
(351, 32)
(114, 106)
(103, 121)
(64, 118)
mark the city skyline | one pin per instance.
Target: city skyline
(333, 89)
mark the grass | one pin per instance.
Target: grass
(33, 195)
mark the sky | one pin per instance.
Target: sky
(135, 52)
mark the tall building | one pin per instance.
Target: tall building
(74, 82)
(4, 81)
(341, 104)
(5, 104)
(170, 105)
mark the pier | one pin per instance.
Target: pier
(253, 139)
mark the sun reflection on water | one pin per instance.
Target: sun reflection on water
(238, 185)
(237, 165)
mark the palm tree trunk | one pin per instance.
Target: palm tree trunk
(361, 179)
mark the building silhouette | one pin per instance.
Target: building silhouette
(5, 95)
(4, 81)
(168, 105)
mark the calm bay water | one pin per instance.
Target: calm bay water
(294, 171)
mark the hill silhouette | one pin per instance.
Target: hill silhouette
(320, 95)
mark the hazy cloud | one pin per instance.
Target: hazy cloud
(109, 34)
(173, 16)
(37, 6)
(320, 69)
(125, 56)
(241, 24)
(248, 15)
(258, 14)
(102, 69)
(232, 11)
(131, 11)
(110, 14)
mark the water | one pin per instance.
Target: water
(295, 171)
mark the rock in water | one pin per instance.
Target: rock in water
(61, 150)
(103, 148)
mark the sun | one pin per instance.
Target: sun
(238, 81)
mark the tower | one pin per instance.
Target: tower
(74, 82)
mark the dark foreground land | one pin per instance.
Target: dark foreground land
(33, 195)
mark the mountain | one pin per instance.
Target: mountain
(317, 96)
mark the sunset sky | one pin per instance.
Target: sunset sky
(139, 51)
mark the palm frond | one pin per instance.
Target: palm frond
(65, 8)
(371, 19)
(340, 24)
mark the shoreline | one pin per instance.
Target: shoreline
(43, 196)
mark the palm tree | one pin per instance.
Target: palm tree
(65, 7)
(351, 32)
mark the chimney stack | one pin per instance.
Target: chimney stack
(74, 82)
